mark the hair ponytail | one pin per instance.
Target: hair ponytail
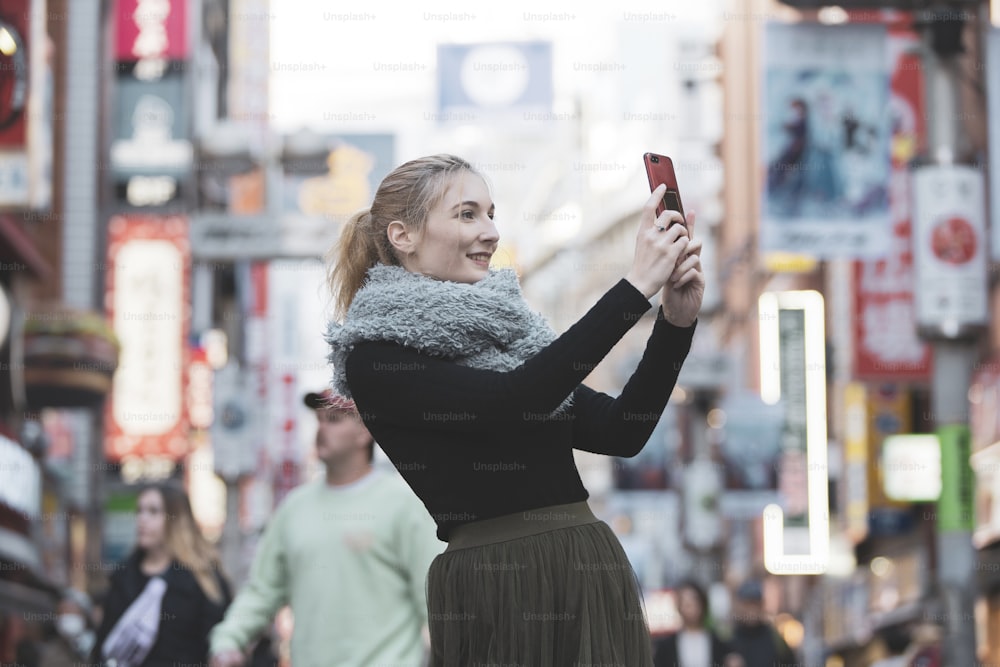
(407, 194)
(355, 252)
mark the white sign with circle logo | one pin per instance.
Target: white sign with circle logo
(949, 249)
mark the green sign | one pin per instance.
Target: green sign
(958, 484)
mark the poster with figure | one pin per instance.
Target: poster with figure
(826, 134)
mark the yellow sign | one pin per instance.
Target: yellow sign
(786, 262)
(856, 461)
(341, 191)
(888, 414)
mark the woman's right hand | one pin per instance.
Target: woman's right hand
(657, 251)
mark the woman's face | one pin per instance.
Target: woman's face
(151, 521)
(459, 237)
(689, 606)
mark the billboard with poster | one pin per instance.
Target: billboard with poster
(825, 140)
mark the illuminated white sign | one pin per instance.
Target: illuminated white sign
(813, 352)
(148, 315)
(20, 478)
(911, 467)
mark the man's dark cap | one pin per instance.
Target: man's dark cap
(751, 591)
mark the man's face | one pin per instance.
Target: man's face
(340, 435)
(748, 611)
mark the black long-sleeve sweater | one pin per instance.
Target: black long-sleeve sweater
(476, 444)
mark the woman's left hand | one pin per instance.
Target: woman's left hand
(682, 294)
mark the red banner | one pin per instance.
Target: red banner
(148, 303)
(14, 62)
(151, 29)
(885, 328)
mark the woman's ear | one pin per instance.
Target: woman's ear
(401, 238)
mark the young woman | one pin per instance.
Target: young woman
(192, 598)
(480, 405)
(696, 644)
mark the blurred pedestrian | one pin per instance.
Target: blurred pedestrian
(349, 553)
(480, 405)
(73, 638)
(167, 595)
(755, 639)
(696, 643)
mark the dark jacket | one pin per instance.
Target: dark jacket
(762, 646)
(187, 614)
(665, 651)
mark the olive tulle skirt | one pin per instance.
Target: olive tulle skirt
(545, 587)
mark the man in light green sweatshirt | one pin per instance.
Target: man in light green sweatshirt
(349, 554)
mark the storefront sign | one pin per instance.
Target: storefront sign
(151, 30)
(147, 303)
(151, 128)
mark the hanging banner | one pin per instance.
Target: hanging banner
(949, 250)
(825, 140)
(885, 324)
(992, 85)
(148, 302)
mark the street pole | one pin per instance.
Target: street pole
(953, 359)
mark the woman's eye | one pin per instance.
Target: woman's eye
(468, 215)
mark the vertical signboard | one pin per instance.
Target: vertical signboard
(147, 302)
(855, 479)
(793, 371)
(885, 324)
(25, 105)
(955, 506)
(949, 249)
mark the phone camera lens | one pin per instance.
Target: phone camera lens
(655, 159)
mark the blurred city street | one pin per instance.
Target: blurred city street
(174, 177)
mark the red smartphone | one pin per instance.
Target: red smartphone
(660, 169)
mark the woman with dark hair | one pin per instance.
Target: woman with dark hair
(696, 643)
(480, 405)
(165, 598)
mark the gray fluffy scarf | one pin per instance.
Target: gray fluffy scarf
(485, 325)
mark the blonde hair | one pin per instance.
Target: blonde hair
(407, 194)
(185, 542)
